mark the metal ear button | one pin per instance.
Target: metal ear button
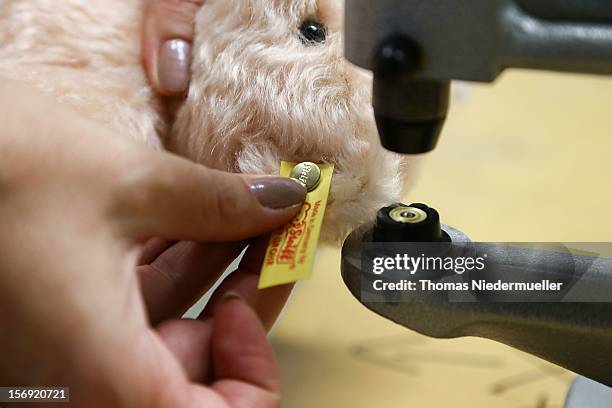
(307, 173)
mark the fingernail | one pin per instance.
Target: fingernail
(278, 192)
(229, 296)
(173, 65)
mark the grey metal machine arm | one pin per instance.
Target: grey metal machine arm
(415, 48)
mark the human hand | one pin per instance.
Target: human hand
(166, 42)
(89, 301)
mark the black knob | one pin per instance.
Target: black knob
(410, 110)
(408, 223)
(397, 55)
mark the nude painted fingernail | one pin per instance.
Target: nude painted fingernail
(173, 66)
(229, 296)
(278, 192)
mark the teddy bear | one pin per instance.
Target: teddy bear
(269, 83)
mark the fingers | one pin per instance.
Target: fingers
(181, 275)
(234, 337)
(189, 342)
(267, 303)
(167, 38)
(152, 249)
(244, 364)
(233, 349)
(170, 197)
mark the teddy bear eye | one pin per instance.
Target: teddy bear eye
(312, 33)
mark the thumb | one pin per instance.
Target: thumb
(172, 198)
(168, 33)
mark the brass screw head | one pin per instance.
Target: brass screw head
(408, 215)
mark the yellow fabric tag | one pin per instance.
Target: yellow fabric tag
(291, 250)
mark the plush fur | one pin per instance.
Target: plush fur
(258, 94)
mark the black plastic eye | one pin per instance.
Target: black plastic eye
(312, 33)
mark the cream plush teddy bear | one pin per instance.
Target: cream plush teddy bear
(269, 84)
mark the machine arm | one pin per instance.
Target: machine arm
(416, 47)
